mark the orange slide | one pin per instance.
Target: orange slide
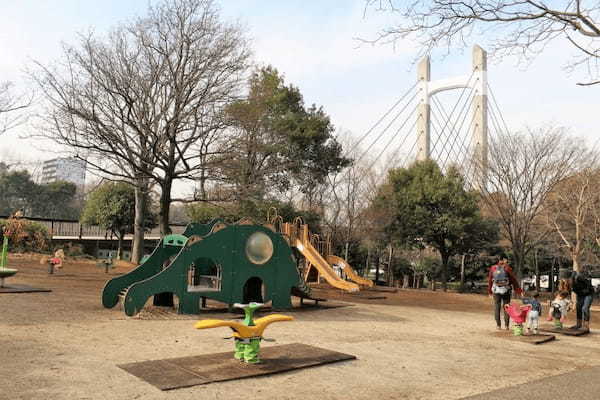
(315, 258)
(349, 271)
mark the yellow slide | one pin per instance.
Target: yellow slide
(315, 258)
(349, 271)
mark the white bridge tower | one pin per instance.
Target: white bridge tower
(476, 81)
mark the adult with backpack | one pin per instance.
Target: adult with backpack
(501, 282)
(582, 286)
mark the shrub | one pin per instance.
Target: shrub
(24, 235)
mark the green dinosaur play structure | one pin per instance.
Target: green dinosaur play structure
(238, 263)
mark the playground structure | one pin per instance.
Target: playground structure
(248, 333)
(318, 255)
(238, 263)
(5, 272)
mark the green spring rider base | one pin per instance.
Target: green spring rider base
(248, 350)
(518, 329)
(557, 323)
(247, 333)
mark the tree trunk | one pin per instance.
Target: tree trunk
(462, 273)
(445, 258)
(519, 255)
(138, 226)
(576, 266)
(119, 245)
(390, 277)
(165, 206)
(537, 271)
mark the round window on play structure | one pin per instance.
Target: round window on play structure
(259, 248)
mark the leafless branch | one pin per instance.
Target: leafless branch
(516, 27)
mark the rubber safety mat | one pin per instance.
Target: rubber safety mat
(565, 331)
(533, 339)
(21, 289)
(174, 373)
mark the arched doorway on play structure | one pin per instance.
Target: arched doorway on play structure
(254, 290)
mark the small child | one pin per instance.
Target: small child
(559, 308)
(533, 317)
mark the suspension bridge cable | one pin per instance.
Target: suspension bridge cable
(444, 117)
(407, 157)
(395, 153)
(469, 159)
(382, 118)
(462, 110)
(495, 120)
(387, 127)
(442, 111)
(497, 107)
(395, 135)
(457, 102)
(465, 152)
(461, 124)
(434, 122)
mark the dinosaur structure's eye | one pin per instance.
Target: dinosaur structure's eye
(259, 248)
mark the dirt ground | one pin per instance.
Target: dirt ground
(410, 345)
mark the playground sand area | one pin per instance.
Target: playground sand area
(409, 345)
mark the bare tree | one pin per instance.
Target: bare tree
(519, 27)
(347, 195)
(144, 103)
(10, 105)
(570, 208)
(523, 169)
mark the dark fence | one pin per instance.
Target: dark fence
(65, 229)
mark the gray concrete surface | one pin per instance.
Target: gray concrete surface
(582, 384)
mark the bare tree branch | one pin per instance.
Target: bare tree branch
(517, 27)
(10, 107)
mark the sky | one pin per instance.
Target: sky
(314, 44)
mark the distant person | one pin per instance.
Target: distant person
(582, 286)
(559, 307)
(501, 282)
(533, 317)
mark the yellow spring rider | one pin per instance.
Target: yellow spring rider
(248, 333)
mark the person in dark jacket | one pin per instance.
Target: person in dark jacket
(501, 282)
(582, 286)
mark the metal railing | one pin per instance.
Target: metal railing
(62, 229)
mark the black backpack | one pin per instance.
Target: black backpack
(582, 284)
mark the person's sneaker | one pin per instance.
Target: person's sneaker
(507, 327)
(549, 319)
(498, 327)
